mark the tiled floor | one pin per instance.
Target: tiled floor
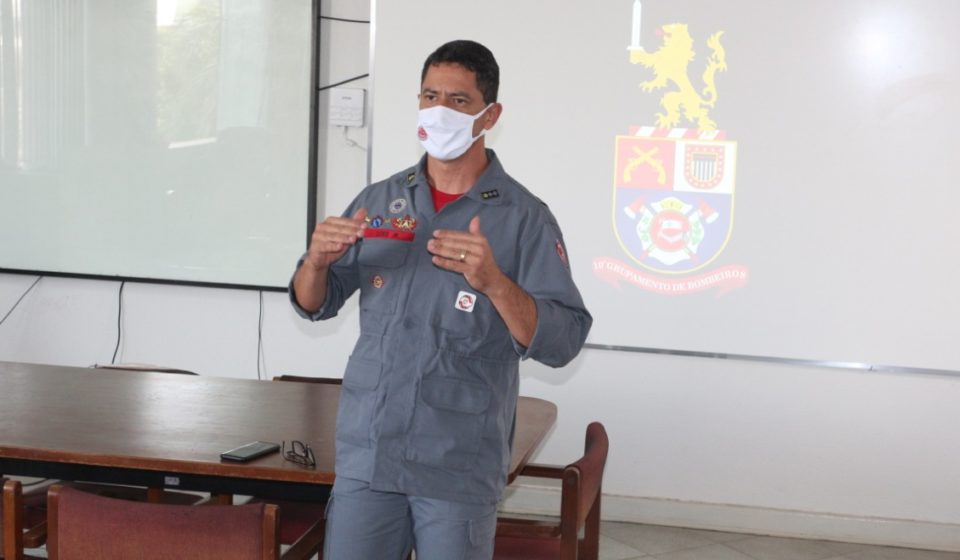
(628, 541)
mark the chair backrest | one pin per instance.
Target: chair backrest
(581, 491)
(84, 526)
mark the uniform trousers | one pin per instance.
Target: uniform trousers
(364, 524)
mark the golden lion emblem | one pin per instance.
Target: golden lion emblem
(669, 63)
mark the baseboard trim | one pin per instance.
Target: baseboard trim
(542, 500)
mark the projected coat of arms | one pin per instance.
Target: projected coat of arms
(675, 179)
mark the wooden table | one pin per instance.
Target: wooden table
(167, 430)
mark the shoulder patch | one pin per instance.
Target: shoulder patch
(562, 253)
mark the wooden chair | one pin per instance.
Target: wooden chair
(521, 539)
(23, 520)
(83, 526)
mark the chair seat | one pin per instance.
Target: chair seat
(35, 506)
(32, 516)
(520, 548)
(296, 518)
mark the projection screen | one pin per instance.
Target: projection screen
(755, 178)
(156, 139)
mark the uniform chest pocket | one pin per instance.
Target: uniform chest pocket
(381, 269)
(382, 253)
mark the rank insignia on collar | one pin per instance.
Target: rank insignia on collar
(487, 195)
(405, 223)
(377, 281)
(410, 177)
(398, 205)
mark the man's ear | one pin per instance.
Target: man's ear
(492, 115)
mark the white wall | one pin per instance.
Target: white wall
(697, 442)
(763, 448)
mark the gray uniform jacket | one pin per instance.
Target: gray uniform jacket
(429, 395)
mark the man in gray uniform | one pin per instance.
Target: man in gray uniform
(462, 272)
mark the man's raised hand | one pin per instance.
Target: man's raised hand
(332, 237)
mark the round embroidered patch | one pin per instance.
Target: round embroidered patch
(398, 205)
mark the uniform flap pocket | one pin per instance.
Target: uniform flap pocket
(455, 395)
(362, 373)
(382, 253)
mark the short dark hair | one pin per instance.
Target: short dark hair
(474, 57)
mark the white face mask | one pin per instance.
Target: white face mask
(447, 134)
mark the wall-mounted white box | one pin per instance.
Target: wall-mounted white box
(346, 106)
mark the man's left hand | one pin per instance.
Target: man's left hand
(468, 253)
